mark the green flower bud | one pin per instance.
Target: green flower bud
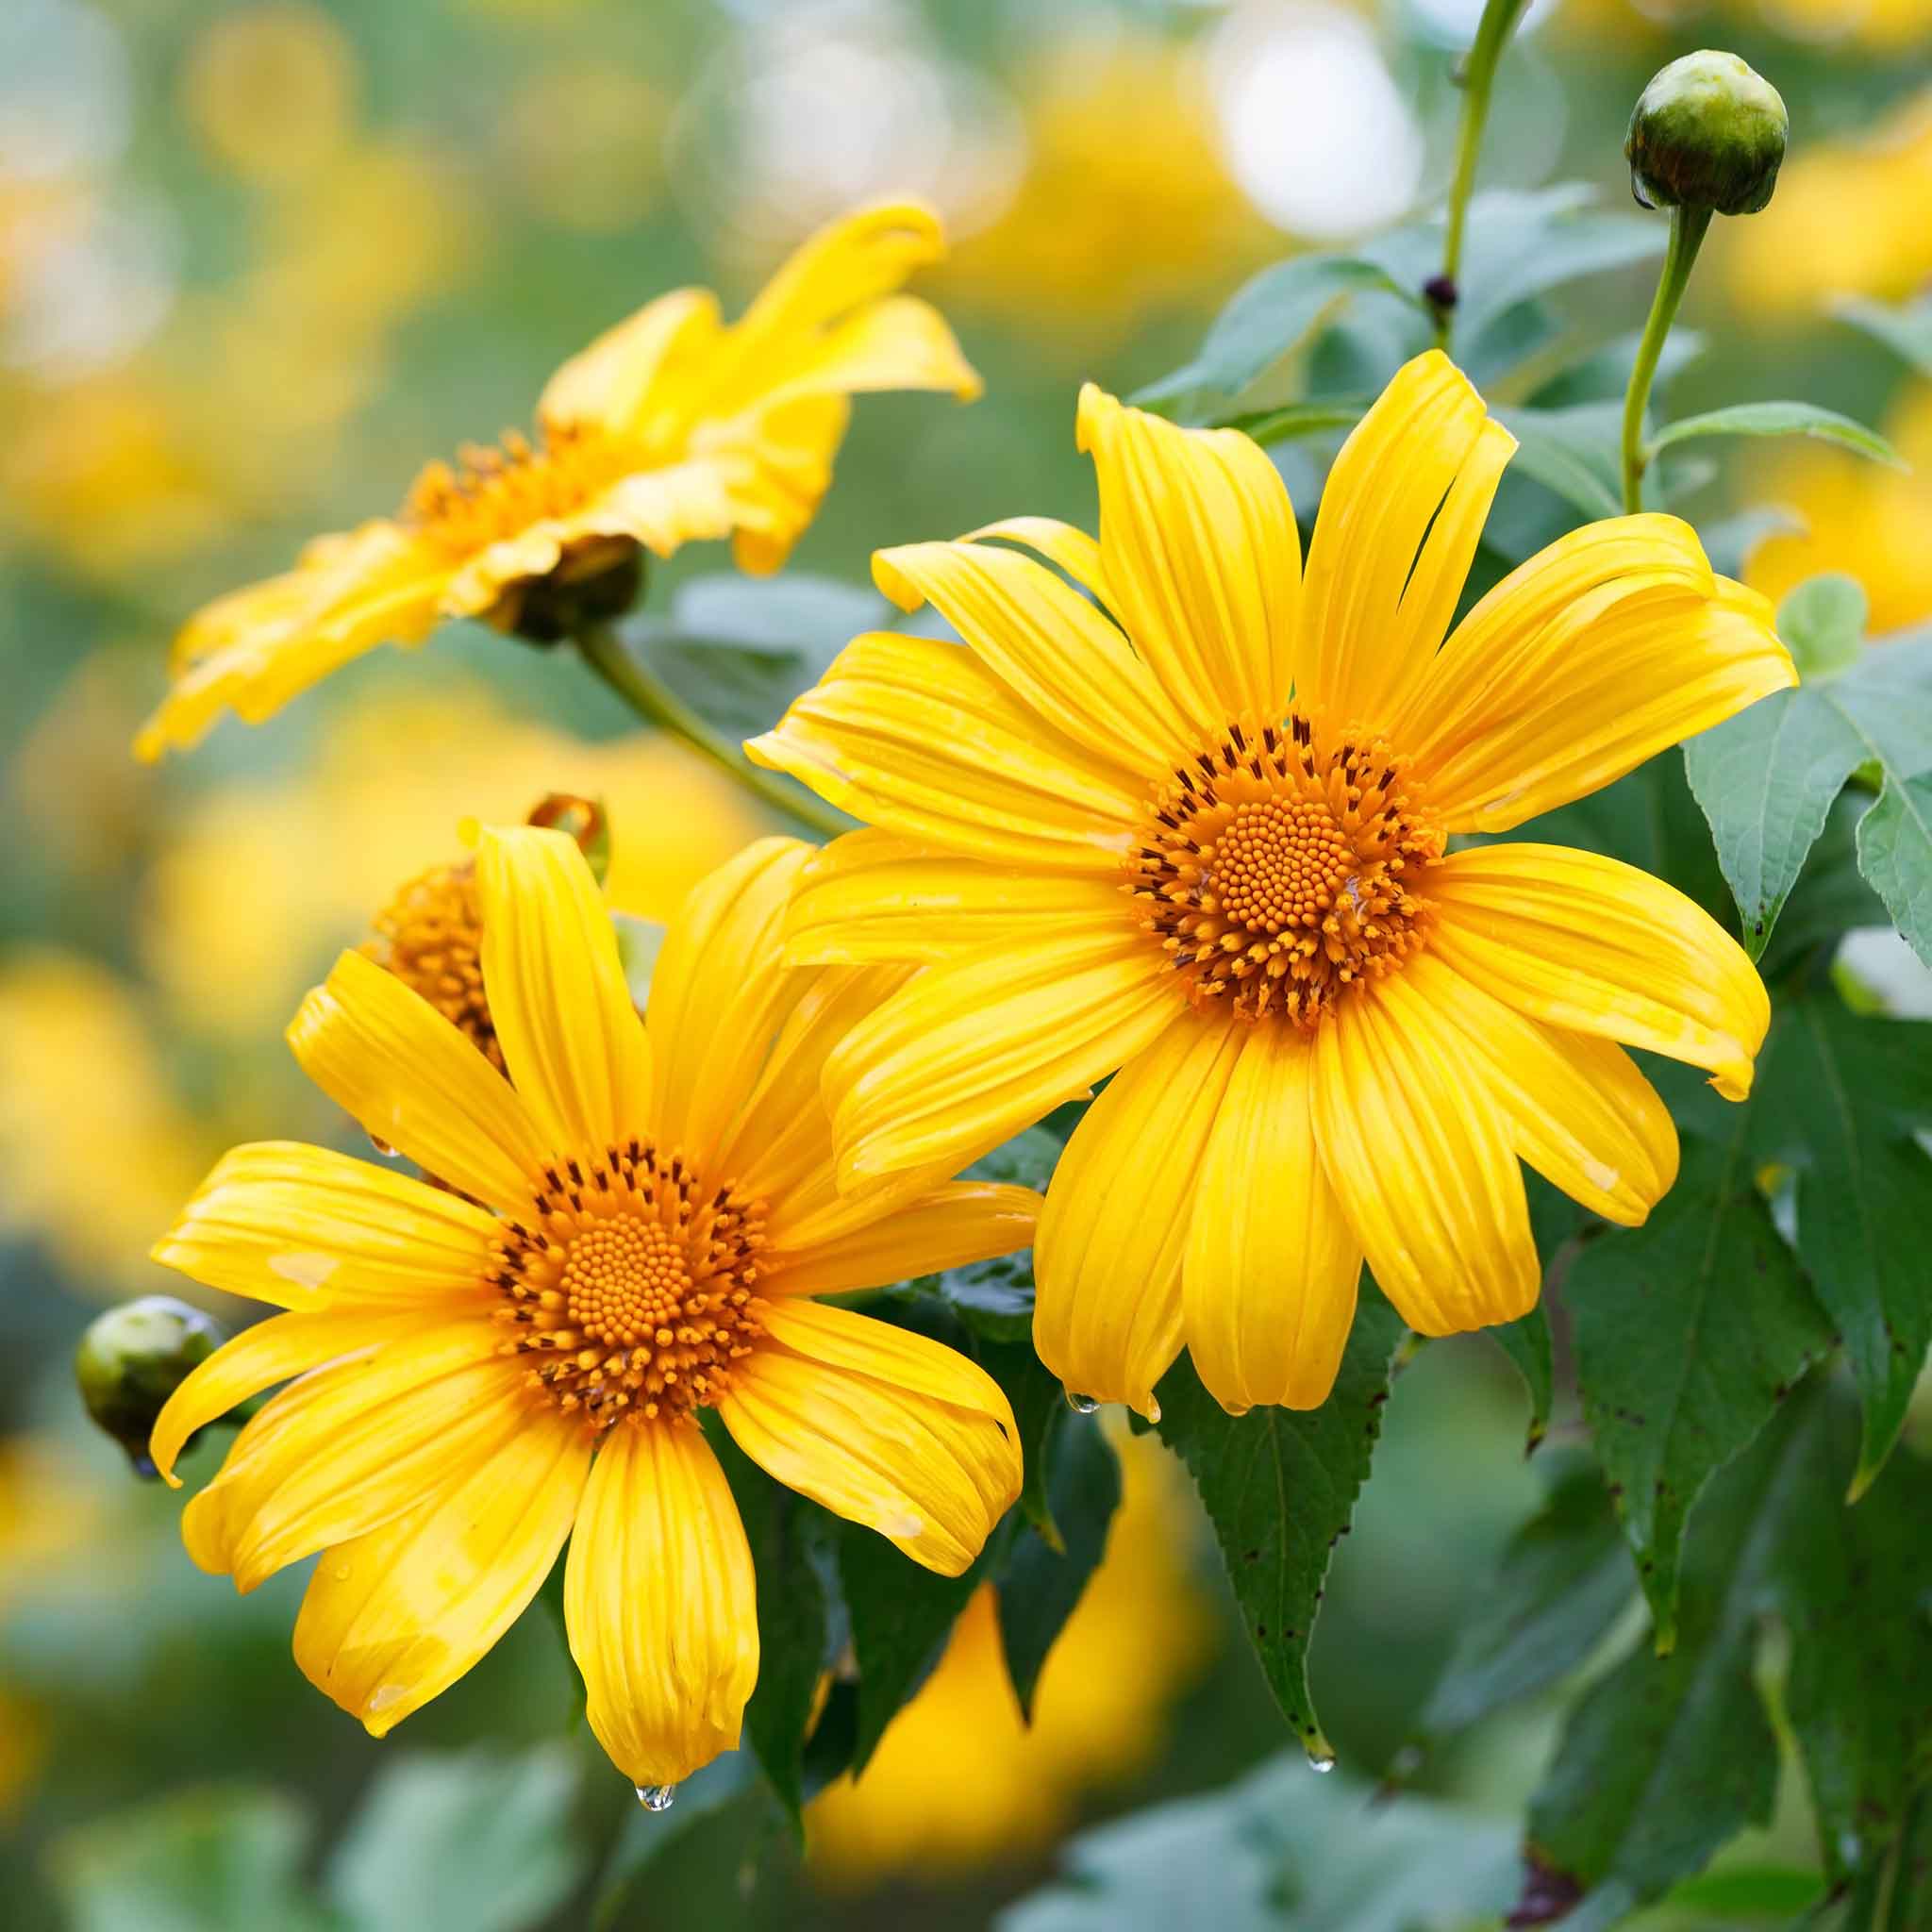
(132, 1359)
(1707, 133)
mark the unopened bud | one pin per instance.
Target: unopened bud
(1709, 133)
(132, 1359)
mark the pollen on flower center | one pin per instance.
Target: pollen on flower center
(497, 493)
(1277, 875)
(632, 1286)
(430, 936)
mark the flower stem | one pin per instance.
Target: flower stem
(657, 704)
(1479, 76)
(1687, 235)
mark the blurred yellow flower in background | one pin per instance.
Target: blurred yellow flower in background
(270, 91)
(960, 1779)
(264, 879)
(1871, 523)
(1125, 202)
(1851, 217)
(1880, 26)
(84, 1086)
(671, 426)
(632, 1228)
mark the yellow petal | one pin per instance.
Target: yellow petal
(1419, 1155)
(1062, 545)
(254, 649)
(898, 343)
(973, 1049)
(1599, 652)
(1203, 561)
(1577, 1108)
(302, 1228)
(1269, 1280)
(660, 1603)
(873, 896)
(389, 1060)
(610, 383)
(719, 991)
(1106, 1319)
(919, 737)
(393, 1616)
(557, 996)
(955, 1223)
(662, 508)
(348, 1448)
(779, 458)
(1047, 643)
(273, 1351)
(1596, 946)
(780, 1147)
(1363, 642)
(830, 279)
(883, 1426)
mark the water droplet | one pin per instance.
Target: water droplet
(656, 1797)
(1081, 1405)
(381, 1146)
(1324, 1762)
(1321, 1753)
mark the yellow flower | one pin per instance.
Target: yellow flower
(270, 91)
(960, 1779)
(1207, 848)
(1849, 218)
(668, 427)
(264, 879)
(632, 1231)
(1866, 520)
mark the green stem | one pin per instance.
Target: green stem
(657, 704)
(1687, 236)
(1478, 77)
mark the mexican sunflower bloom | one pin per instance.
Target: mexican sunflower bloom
(631, 1228)
(670, 427)
(1193, 833)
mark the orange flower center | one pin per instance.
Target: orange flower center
(500, 493)
(631, 1288)
(1278, 875)
(431, 938)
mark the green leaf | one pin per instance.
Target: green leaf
(1905, 330)
(1779, 419)
(1895, 854)
(738, 650)
(1279, 1486)
(1666, 1757)
(477, 1839)
(1823, 624)
(639, 943)
(1747, 1891)
(792, 1543)
(1767, 777)
(1039, 1404)
(1312, 418)
(1526, 1342)
(1042, 1584)
(1279, 1853)
(1562, 1582)
(902, 1615)
(1689, 1331)
(1839, 1099)
(1271, 315)
(995, 1298)
(1571, 452)
(646, 1836)
(202, 1861)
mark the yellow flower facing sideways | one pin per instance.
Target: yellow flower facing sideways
(631, 1228)
(670, 427)
(1194, 834)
